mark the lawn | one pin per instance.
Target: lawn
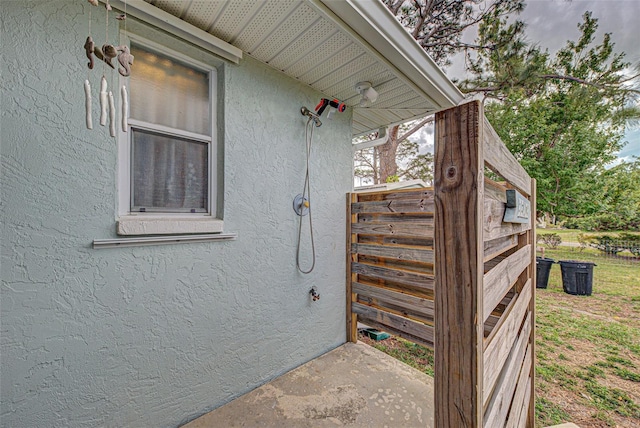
(571, 235)
(588, 347)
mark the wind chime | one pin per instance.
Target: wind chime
(105, 55)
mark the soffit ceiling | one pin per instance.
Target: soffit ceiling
(309, 43)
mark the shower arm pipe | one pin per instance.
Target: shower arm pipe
(383, 137)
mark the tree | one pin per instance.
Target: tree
(616, 200)
(437, 26)
(408, 163)
(562, 117)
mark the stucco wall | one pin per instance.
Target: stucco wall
(152, 336)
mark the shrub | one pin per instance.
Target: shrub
(607, 244)
(631, 242)
(552, 240)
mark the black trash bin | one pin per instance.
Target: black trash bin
(543, 267)
(577, 277)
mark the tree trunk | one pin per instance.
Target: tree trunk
(387, 156)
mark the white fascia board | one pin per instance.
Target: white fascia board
(372, 22)
(179, 28)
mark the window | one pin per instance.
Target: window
(168, 154)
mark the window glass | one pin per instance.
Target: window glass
(168, 174)
(166, 92)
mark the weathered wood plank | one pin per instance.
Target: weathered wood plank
(396, 206)
(498, 318)
(375, 324)
(502, 277)
(494, 227)
(388, 228)
(458, 183)
(497, 402)
(352, 321)
(394, 252)
(395, 195)
(495, 247)
(495, 190)
(500, 346)
(409, 241)
(396, 275)
(520, 407)
(500, 159)
(412, 218)
(412, 304)
(396, 322)
(411, 266)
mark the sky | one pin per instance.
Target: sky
(550, 23)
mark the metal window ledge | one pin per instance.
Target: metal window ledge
(161, 240)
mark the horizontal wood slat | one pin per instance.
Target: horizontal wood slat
(500, 159)
(388, 228)
(498, 349)
(413, 304)
(421, 218)
(394, 252)
(499, 280)
(399, 206)
(520, 407)
(498, 401)
(391, 322)
(396, 195)
(407, 241)
(495, 247)
(396, 275)
(374, 324)
(524, 383)
(493, 226)
(495, 190)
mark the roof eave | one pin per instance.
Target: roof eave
(377, 28)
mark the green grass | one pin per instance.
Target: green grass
(590, 343)
(417, 356)
(571, 235)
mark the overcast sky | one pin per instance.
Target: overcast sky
(550, 23)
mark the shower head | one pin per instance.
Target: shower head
(311, 115)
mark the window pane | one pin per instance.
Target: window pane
(166, 92)
(168, 174)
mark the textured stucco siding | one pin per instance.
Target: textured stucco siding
(153, 336)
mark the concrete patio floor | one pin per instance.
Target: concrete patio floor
(354, 385)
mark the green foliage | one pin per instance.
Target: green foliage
(551, 239)
(607, 244)
(562, 117)
(613, 244)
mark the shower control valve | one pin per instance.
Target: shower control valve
(301, 205)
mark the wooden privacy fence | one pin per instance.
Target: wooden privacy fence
(453, 268)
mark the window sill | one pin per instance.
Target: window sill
(161, 240)
(166, 225)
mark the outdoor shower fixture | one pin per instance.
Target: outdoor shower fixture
(311, 115)
(301, 203)
(366, 91)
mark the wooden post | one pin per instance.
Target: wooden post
(531, 419)
(459, 187)
(352, 319)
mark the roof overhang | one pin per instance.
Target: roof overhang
(329, 45)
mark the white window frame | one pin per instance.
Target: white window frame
(155, 223)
